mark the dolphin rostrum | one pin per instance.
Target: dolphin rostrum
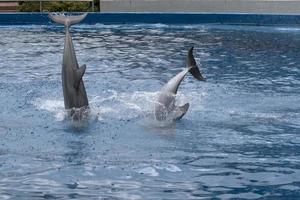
(73, 87)
(165, 106)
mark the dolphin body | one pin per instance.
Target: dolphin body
(165, 106)
(73, 87)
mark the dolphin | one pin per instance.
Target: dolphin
(165, 106)
(73, 87)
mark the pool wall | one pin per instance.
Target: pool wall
(166, 18)
(215, 6)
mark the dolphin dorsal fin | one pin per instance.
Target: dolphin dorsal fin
(181, 110)
(79, 74)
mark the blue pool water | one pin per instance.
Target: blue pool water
(238, 140)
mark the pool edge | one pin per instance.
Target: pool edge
(164, 18)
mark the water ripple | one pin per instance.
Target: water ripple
(238, 140)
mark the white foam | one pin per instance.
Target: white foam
(53, 106)
(202, 169)
(288, 29)
(168, 167)
(123, 105)
(149, 171)
(120, 105)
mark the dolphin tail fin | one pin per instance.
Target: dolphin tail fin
(191, 63)
(67, 20)
(181, 110)
(79, 74)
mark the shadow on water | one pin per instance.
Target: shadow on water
(77, 152)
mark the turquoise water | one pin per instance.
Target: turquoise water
(238, 140)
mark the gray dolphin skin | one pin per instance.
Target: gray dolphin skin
(165, 106)
(73, 87)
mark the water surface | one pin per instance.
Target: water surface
(238, 140)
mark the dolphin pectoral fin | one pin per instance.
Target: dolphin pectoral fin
(181, 110)
(79, 74)
(191, 63)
